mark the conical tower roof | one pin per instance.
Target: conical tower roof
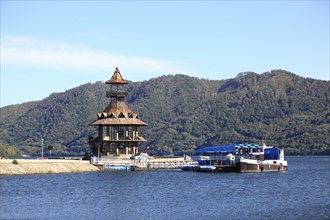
(116, 78)
(118, 113)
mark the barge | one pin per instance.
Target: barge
(240, 158)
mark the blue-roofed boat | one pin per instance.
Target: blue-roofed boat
(116, 168)
(240, 158)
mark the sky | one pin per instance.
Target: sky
(53, 46)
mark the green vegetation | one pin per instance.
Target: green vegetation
(9, 151)
(184, 113)
(15, 162)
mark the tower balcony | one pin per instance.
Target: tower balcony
(110, 94)
(126, 139)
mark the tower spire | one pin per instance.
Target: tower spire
(116, 78)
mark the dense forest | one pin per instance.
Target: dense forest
(182, 113)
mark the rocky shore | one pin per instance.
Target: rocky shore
(39, 166)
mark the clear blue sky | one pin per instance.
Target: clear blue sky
(52, 46)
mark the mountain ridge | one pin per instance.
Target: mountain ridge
(184, 113)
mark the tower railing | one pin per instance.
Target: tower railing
(116, 94)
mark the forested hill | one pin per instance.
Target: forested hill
(183, 113)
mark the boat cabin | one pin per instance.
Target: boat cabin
(228, 154)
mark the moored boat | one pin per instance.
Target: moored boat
(116, 168)
(241, 158)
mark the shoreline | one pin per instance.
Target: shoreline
(53, 166)
(45, 166)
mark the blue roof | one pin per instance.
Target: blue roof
(226, 148)
(217, 149)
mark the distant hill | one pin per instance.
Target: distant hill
(183, 113)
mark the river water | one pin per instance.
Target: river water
(301, 193)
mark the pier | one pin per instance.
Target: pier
(172, 165)
(142, 163)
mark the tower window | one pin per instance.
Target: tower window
(121, 115)
(112, 115)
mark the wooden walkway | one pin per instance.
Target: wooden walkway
(172, 163)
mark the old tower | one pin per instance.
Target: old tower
(118, 126)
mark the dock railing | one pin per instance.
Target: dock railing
(112, 161)
(142, 163)
(172, 165)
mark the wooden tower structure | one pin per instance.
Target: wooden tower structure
(118, 126)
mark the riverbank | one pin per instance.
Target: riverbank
(45, 166)
(48, 166)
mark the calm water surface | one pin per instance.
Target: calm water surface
(300, 193)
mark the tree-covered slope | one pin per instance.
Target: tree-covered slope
(183, 113)
(278, 108)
